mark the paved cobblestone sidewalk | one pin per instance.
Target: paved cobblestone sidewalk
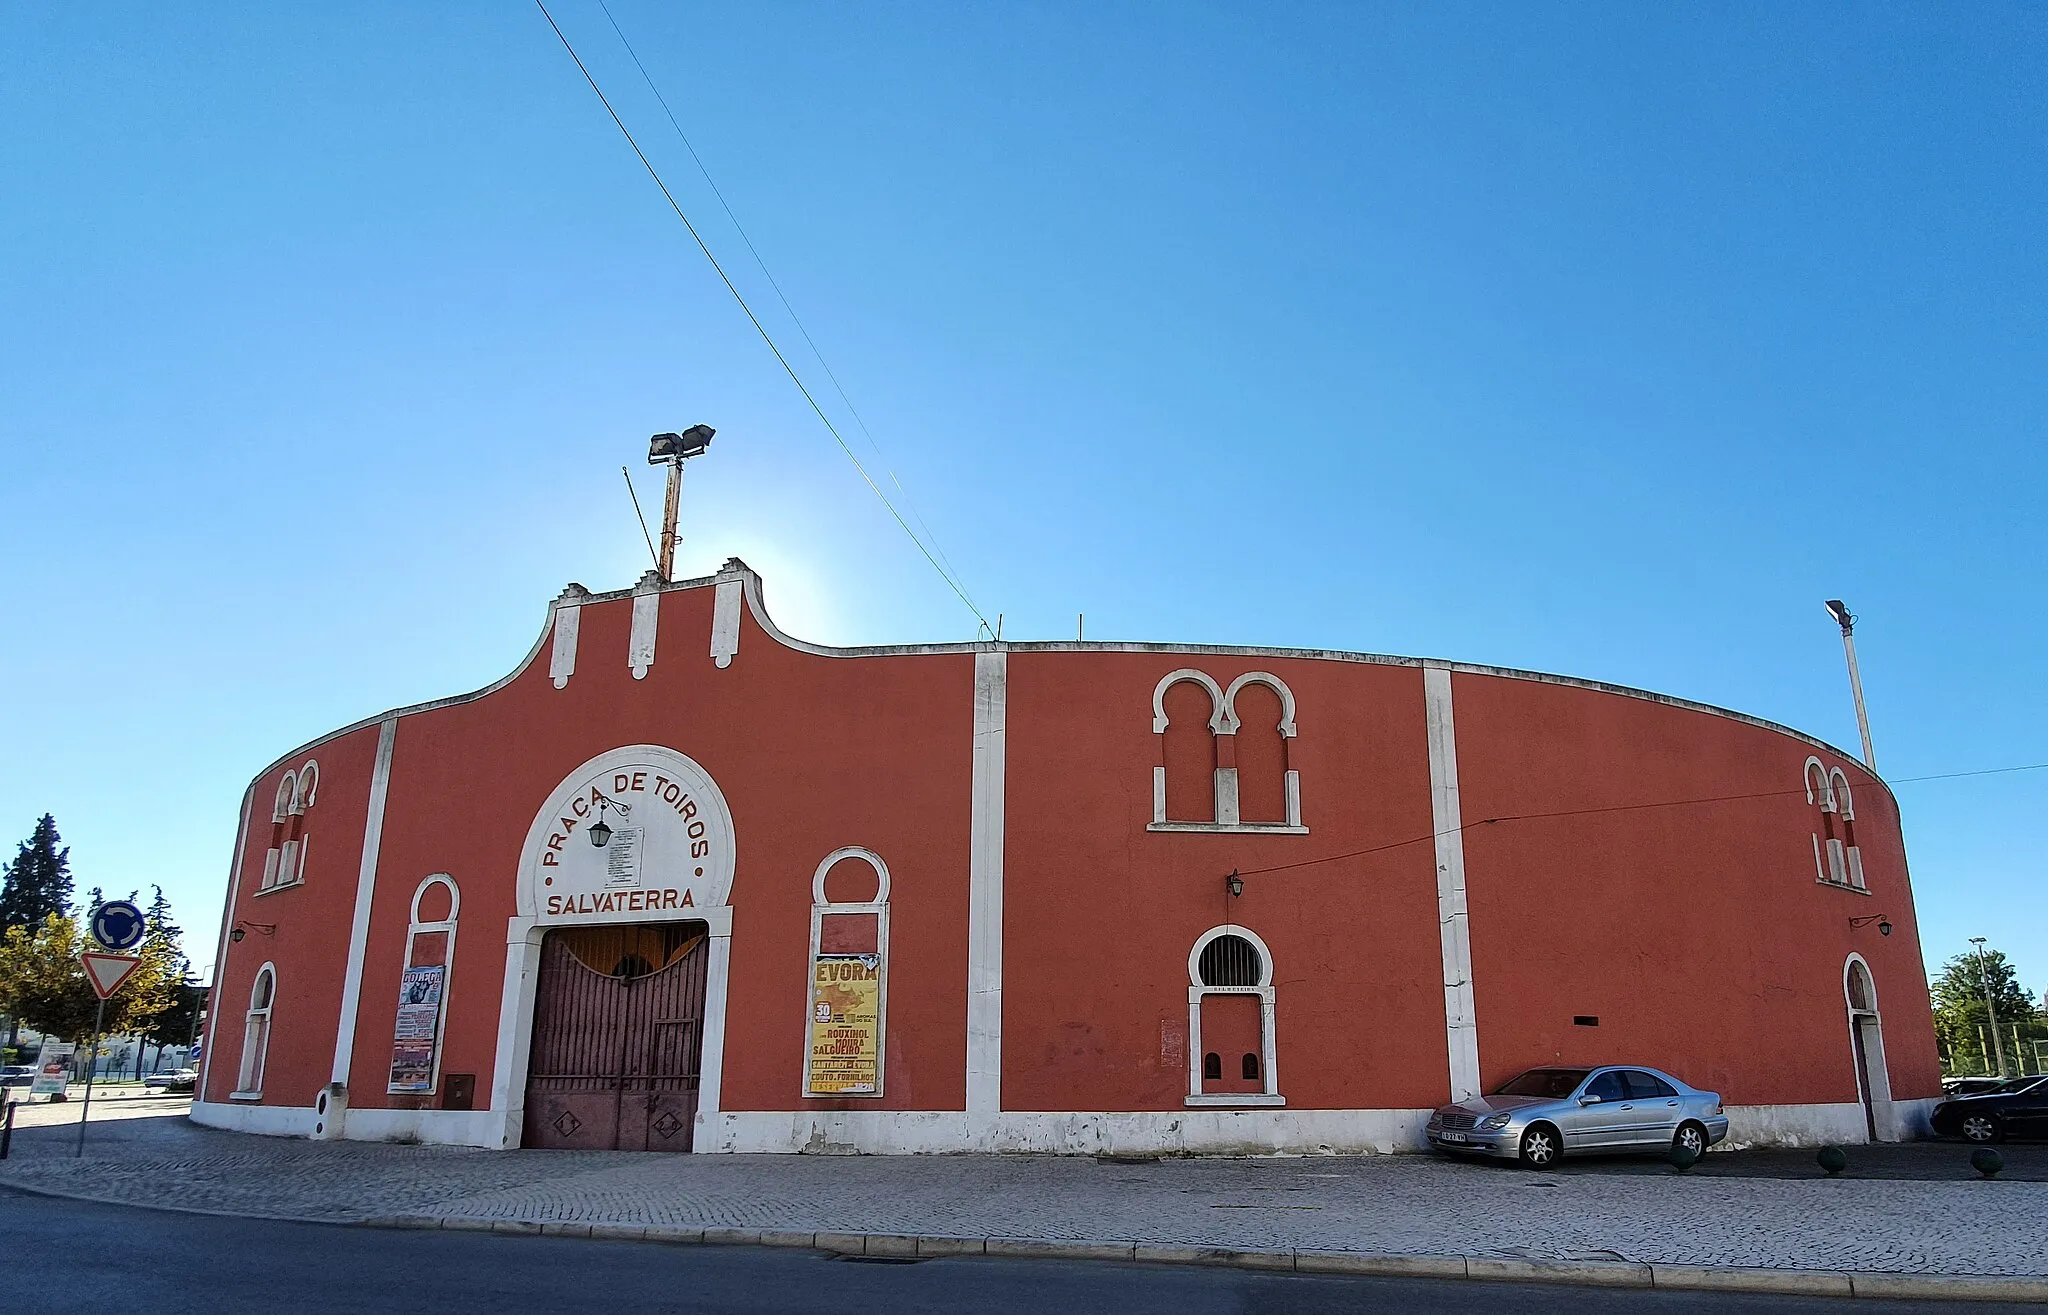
(1386, 1205)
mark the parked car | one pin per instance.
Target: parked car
(2017, 1107)
(178, 1079)
(17, 1075)
(1549, 1112)
(1955, 1087)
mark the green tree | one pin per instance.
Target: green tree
(38, 881)
(43, 983)
(1962, 1021)
(163, 943)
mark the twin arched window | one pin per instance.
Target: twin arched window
(1224, 754)
(285, 862)
(1836, 859)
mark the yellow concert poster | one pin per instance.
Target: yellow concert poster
(846, 1026)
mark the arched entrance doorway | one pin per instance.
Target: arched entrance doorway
(612, 1027)
(618, 1038)
(1866, 1035)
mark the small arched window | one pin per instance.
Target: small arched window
(256, 1034)
(1212, 1067)
(845, 1044)
(421, 1024)
(1231, 960)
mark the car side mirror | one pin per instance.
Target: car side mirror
(1589, 1099)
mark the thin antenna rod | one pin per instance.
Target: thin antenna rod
(631, 492)
(1080, 626)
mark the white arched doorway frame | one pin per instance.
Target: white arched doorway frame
(1268, 1045)
(1866, 1053)
(524, 931)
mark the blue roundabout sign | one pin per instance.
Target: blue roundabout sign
(117, 924)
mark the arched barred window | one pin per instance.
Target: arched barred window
(1231, 1020)
(1836, 859)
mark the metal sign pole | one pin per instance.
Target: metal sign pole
(92, 1063)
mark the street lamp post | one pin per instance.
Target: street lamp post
(1847, 620)
(1990, 1010)
(672, 450)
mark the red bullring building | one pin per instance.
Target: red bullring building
(683, 882)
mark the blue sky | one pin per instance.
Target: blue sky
(1607, 340)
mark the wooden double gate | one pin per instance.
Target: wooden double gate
(618, 1037)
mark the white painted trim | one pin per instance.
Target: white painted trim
(1159, 821)
(1225, 809)
(1239, 829)
(427, 1127)
(1292, 783)
(865, 855)
(985, 885)
(1218, 723)
(1229, 929)
(711, 1061)
(263, 1120)
(1883, 1113)
(1183, 1131)
(220, 953)
(646, 625)
(567, 619)
(1834, 1124)
(879, 907)
(1272, 682)
(725, 619)
(268, 1012)
(1245, 1099)
(1461, 1026)
(366, 887)
(414, 929)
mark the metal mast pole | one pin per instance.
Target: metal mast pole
(1990, 1010)
(671, 509)
(92, 1064)
(1847, 621)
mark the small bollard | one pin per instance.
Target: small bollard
(1683, 1158)
(7, 1130)
(1986, 1161)
(1833, 1159)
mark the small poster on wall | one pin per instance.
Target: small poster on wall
(845, 1026)
(417, 1034)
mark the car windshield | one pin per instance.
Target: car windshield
(1555, 1083)
(2012, 1088)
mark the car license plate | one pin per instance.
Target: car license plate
(1455, 1137)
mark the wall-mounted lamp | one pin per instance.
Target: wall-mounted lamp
(241, 929)
(1884, 924)
(600, 834)
(1235, 882)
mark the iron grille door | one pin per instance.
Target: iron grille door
(615, 1057)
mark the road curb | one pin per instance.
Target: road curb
(916, 1246)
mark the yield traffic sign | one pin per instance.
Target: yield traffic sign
(107, 971)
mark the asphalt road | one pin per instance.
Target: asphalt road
(88, 1256)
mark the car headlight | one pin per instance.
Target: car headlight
(1496, 1123)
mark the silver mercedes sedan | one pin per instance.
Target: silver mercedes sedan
(1549, 1112)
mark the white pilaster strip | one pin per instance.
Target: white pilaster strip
(568, 621)
(646, 621)
(214, 1011)
(725, 619)
(711, 1057)
(366, 887)
(985, 887)
(1461, 1027)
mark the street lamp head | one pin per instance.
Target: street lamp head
(1235, 882)
(1843, 617)
(236, 935)
(1884, 927)
(600, 834)
(1977, 941)
(665, 449)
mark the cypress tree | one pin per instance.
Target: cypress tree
(38, 881)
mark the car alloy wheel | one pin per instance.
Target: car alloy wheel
(1539, 1147)
(1693, 1138)
(1980, 1128)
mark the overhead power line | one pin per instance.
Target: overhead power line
(766, 337)
(780, 295)
(1608, 808)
